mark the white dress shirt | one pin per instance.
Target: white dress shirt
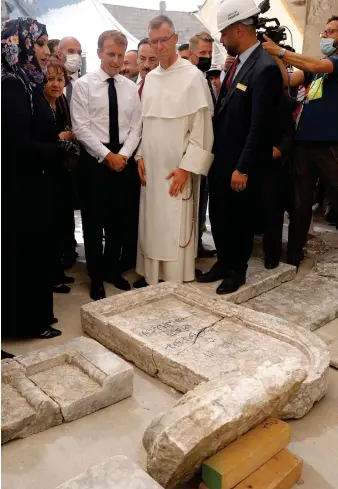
(244, 56)
(139, 81)
(72, 79)
(90, 113)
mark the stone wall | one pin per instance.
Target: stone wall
(317, 14)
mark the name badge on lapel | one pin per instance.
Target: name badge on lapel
(241, 87)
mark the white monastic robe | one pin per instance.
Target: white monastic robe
(177, 111)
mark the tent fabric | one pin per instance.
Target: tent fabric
(83, 19)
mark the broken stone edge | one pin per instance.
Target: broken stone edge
(313, 388)
(47, 412)
(211, 416)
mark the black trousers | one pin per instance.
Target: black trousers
(272, 201)
(105, 198)
(232, 223)
(310, 161)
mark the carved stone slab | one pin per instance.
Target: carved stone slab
(81, 376)
(213, 415)
(259, 280)
(183, 337)
(25, 409)
(116, 473)
(310, 301)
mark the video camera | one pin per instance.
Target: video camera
(276, 32)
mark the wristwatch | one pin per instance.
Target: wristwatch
(281, 53)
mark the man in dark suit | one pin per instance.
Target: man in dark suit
(243, 147)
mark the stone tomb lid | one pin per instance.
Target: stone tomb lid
(184, 337)
(115, 473)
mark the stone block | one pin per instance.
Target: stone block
(183, 337)
(281, 472)
(212, 416)
(81, 376)
(258, 281)
(116, 473)
(321, 244)
(309, 301)
(238, 460)
(327, 266)
(25, 409)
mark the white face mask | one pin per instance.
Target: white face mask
(73, 63)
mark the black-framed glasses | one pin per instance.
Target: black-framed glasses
(164, 40)
(328, 32)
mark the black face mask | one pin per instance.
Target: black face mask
(204, 64)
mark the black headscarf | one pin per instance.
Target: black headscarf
(17, 50)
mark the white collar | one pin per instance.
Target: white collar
(139, 80)
(245, 55)
(74, 76)
(104, 76)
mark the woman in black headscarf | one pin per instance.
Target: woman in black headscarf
(26, 157)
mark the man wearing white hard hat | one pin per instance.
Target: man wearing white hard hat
(243, 128)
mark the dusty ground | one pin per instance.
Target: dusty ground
(45, 460)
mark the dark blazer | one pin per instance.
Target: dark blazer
(245, 116)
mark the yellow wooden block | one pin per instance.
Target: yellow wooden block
(234, 463)
(281, 472)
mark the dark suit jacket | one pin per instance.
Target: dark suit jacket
(244, 118)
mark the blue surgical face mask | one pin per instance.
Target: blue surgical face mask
(326, 46)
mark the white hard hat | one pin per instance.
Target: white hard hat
(232, 11)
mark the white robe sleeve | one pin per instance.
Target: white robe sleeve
(198, 157)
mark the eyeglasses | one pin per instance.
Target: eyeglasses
(161, 41)
(328, 32)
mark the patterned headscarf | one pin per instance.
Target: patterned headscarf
(17, 49)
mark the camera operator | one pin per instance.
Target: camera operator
(316, 139)
(274, 198)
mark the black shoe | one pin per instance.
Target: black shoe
(213, 275)
(119, 282)
(139, 284)
(5, 354)
(53, 321)
(68, 280)
(204, 253)
(198, 273)
(97, 291)
(61, 289)
(231, 283)
(271, 263)
(49, 333)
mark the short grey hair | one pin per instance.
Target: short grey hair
(158, 21)
(117, 36)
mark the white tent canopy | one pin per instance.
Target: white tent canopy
(208, 16)
(83, 19)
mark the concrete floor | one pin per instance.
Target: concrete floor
(47, 459)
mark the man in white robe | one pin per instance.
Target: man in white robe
(176, 146)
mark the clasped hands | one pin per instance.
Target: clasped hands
(178, 175)
(116, 162)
